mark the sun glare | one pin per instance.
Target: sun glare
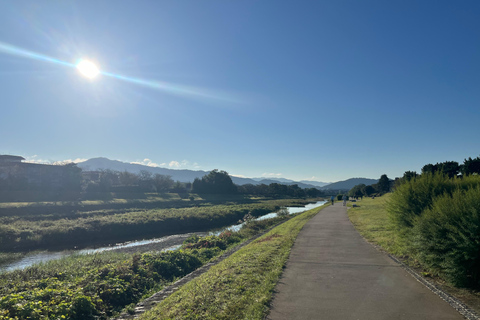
(88, 69)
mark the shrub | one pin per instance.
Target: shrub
(414, 196)
(447, 237)
(83, 308)
(192, 239)
(283, 212)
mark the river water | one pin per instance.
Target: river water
(166, 243)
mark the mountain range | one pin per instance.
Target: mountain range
(190, 175)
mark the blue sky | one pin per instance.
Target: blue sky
(322, 90)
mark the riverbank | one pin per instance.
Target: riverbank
(98, 286)
(239, 287)
(14, 261)
(79, 229)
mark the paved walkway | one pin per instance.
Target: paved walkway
(332, 273)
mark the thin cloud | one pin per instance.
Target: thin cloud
(174, 164)
(147, 162)
(267, 174)
(62, 162)
(238, 175)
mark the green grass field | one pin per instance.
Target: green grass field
(371, 220)
(241, 286)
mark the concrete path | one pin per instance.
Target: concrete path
(332, 273)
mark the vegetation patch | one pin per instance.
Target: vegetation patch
(99, 286)
(437, 218)
(69, 229)
(241, 286)
(371, 220)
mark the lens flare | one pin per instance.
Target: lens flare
(88, 69)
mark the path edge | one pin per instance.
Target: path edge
(461, 307)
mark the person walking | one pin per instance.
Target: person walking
(332, 199)
(344, 200)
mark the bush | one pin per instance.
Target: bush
(447, 237)
(283, 212)
(414, 196)
(83, 308)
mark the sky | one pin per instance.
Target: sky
(305, 90)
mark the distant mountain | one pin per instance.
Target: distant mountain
(289, 181)
(315, 183)
(277, 180)
(176, 174)
(349, 184)
(190, 175)
(115, 165)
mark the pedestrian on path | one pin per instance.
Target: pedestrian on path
(344, 199)
(332, 199)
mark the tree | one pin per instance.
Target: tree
(450, 168)
(108, 178)
(409, 175)
(369, 190)
(383, 184)
(429, 168)
(127, 178)
(162, 183)
(357, 191)
(471, 166)
(216, 182)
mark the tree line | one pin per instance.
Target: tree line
(449, 168)
(219, 182)
(383, 186)
(70, 178)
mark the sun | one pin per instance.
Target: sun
(88, 69)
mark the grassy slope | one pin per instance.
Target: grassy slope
(371, 220)
(241, 286)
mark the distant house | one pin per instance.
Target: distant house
(21, 175)
(10, 159)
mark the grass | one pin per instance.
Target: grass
(59, 229)
(103, 284)
(372, 222)
(370, 218)
(144, 199)
(241, 286)
(6, 257)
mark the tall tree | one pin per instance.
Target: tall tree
(383, 184)
(216, 182)
(409, 175)
(429, 168)
(471, 166)
(450, 168)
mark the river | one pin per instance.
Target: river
(171, 242)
